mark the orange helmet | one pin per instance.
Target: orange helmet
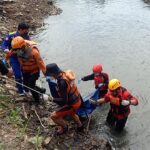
(97, 68)
(17, 42)
(114, 84)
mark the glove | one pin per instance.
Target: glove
(100, 85)
(45, 97)
(50, 98)
(93, 102)
(125, 103)
(6, 50)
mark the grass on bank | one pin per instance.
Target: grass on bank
(11, 114)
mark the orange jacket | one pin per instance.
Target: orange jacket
(30, 60)
(72, 92)
(119, 111)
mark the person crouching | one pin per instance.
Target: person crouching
(69, 98)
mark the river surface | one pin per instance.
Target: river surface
(115, 33)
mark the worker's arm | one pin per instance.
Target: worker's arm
(109, 98)
(39, 60)
(88, 77)
(6, 46)
(6, 43)
(133, 100)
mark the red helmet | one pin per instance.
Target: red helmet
(97, 68)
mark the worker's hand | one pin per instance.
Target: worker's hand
(82, 79)
(115, 100)
(93, 102)
(47, 97)
(100, 85)
(125, 102)
(10, 73)
(6, 50)
(50, 98)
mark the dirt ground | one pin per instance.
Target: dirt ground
(33, 11)
(24, 126)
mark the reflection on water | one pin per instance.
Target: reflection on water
(115, 33)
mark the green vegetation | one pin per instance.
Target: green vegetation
(12, 115)
(2, 146)
(37, 140)
(15, 118)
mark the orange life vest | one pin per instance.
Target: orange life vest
(98, 80)
(118, 110)
(72, 90)
(26, 58)
(101, 79)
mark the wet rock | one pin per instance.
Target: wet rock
(2, 90)
(19, 14)
(25, 138)
(50, 2)
(20, 99)
(13, 93)
(71, 135)
(4, 12)
(47, 141)
(8, 1)
(3, 31)
(23, 6)
(10, 87)
(51, 122)
(1, 10)
(93, 143)
(1, 2)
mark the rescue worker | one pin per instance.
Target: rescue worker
(4, 70)
(30, 61)
(23, 29)
(69, 98)
(99, 77)
(120, 100)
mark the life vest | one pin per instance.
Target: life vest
(72, 90)
(100, 79)
(26, 58)
(120, 111)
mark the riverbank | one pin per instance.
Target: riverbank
(23, 126)
(33, 12)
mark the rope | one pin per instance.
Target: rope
(11, 80)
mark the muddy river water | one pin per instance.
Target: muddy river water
(115, 33)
